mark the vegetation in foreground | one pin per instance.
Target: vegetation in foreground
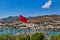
(36, 36)
(55, 37)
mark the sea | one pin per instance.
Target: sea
(47, 33)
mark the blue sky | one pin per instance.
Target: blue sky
(28, 7)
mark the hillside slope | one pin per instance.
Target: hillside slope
(40, 19)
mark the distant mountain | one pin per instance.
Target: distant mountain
(40, 19)
(10, 19)
(46, 18)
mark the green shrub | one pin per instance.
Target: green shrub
(38, 36)
(7, 37)
(55, 37)
(22, 37)
(3, 37)
(26, 37)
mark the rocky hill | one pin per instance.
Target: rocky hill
(46, 18)
(40, 19)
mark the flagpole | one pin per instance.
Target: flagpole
(23, 20)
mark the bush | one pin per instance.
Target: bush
(3, 37)
(6, 37)
(22, 37)
(55, 37)
(38, 36)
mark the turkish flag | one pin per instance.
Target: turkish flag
(22, 19)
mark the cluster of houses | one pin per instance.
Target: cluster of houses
(20, 25)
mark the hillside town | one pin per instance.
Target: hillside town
(31, 23)
(42, 26)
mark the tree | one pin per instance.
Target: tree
(55, 37)
(38, 36)
(22, 37)
(7, 37)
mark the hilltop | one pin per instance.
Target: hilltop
(40, 19)
(46, 18)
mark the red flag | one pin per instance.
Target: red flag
(22, 19)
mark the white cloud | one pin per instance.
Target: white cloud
(47, 4)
